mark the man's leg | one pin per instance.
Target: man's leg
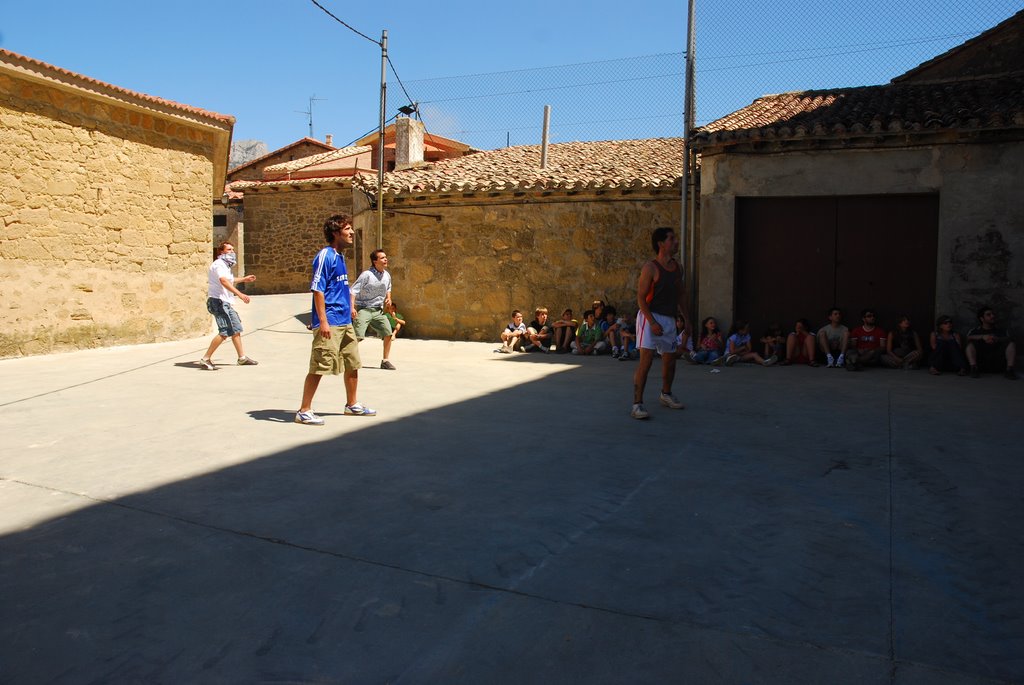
(387, 347)
(640, 375)
(236, 340)
(351, 385)
(668, 372)
(308, 390)
(214, 344)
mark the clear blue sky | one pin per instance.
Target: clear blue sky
(261, 61)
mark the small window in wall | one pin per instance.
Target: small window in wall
(220, 219)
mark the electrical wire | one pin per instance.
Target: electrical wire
(357, 32)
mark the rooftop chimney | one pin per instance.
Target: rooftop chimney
(329, 139)
(408, 143)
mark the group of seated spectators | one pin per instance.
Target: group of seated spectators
(601, 330)
(988, 347)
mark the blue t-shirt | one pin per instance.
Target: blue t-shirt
(331, 278)
(738, 340)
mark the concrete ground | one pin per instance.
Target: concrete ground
(502, 520)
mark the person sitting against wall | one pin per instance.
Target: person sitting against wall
(990, 347)
(538, 333)
(947, 349)
(800, 345)
(867, 342)
(834, 338)
(564, 331)
(903, 346)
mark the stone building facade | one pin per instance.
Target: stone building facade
(469, 239)
(105, 196)
(947, 136)
(284, 229)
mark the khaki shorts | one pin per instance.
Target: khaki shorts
(340, 352)
(375, 319)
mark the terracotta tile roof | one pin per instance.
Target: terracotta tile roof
(307, 140)
(651, 163)
(242, 186)
(323, 157)
(36, 66)
(894, 109)
(996, 50)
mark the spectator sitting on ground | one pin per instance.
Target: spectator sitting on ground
(774, 342)
(738, 346)
(598, 308)
(394, 318)
(947, 349)
(684, 343)
(627, 344)
(564, 332)
(800, 345)
(833, 339)
(538, 333)
(612, 329)
(513, 335)
(903, 346)
(708, 349)
(990, 348)
(866, 343)
(588, 336)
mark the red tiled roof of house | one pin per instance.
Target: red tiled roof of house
(242, 186)
(612, 164)
(307, 140)
(321, 158)
(34, 65)
(893, 109)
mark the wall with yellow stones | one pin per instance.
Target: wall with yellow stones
(106, 223)
(459, 276)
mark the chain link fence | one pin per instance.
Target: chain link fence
(745, 49)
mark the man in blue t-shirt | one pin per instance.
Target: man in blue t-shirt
(335, 346)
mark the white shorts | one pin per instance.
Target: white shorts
(666, 343)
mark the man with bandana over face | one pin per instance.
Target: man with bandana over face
(221, 292)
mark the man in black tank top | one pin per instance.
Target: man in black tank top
(659, 298)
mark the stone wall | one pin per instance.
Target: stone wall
(981, 227)
(106, 222)
(458, 276)
(284, 231)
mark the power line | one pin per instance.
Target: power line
(357, 32)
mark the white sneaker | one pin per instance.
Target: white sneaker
(731, 359)
(670, 401)
(771, 360)
(308, 418)
(840, 361)
(639, 412)
(359, 410)
(831, 361)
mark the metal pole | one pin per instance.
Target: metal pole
(380, 139)
(544, 138)
(688, 239)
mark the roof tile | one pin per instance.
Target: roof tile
(612, 164)
(896, 108)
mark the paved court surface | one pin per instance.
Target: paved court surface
(502, 520)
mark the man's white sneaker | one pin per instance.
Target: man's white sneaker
(207, 364)
(359, 410)
(840, 361)
(308, 418)
(670, 401)
(831, 361)
(639, 412)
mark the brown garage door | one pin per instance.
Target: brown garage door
(797, 256)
